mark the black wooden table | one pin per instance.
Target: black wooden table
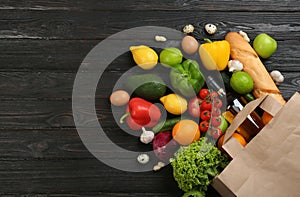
(42, 44)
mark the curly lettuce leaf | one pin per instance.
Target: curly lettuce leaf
(195, 166)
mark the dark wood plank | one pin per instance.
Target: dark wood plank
(53, 24)
(81, 176)
(27, 55)
(119, 5)
(62, 144)
(66, 56)
(42, 144)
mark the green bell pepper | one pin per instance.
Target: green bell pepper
(187, 78)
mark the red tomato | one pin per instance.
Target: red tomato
(204, 93)
(216, 121)
(205, 115)
(215, 111)
(217, 103)
(214, 95)
(206, 105)
(203, 126)
(215, 132)
(194, 107)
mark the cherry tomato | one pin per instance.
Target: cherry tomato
(216, 121)
(203, 126)
(206, 105)
(215, 132)
(215, 111)
(204, 93)
(217, 103)
(214, 95)
(205, 115)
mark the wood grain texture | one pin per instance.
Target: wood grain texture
(42, 44)
(121, 5)
(53, 24)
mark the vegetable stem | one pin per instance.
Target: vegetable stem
(207, 40)
(123, 117)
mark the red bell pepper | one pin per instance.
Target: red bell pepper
(141, 113)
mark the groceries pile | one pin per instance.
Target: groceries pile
(197, 116)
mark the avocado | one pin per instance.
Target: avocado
(147, 86)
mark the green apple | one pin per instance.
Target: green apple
(264, 45)
(224, 124)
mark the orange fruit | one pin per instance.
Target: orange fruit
(185, 132)
(266, 117)
(237, 136)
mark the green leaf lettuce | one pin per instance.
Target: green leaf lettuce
(195, 166)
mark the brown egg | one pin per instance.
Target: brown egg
(189, 45)
(119, 98)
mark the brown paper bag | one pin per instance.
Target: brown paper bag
(270, 163)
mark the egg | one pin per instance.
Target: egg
(189, 45)
(119, 98)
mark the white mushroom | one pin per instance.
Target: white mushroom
(143, 158)
(188, 29)
(210, 28)
(277, 76)
(147, 136)
(235, 65)
(244, 35)
(160, 38)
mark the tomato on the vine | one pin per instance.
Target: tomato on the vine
(214, 95)
(206, 105)
(215, 132)
(217, 103)
(215, 111)
(203, 126)
(205, 115)
(216, 121)
(204, 93)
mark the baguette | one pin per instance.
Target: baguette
(241, 50)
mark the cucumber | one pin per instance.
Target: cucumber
(166, 125)
(147, 86)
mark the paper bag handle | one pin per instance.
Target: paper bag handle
(267, 103)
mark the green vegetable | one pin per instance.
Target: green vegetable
(147, 86)
(166, 125)
(195, 166)
(187, 78)
(170, 56)
(194, 194)
(249, 97)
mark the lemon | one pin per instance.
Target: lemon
(241, 82)
(174, 103)
(144, 56)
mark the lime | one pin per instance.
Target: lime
(170, 56)
(241, 82)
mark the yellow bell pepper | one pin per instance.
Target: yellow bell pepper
(215, 55)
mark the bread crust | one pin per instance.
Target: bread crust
(241, 50)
